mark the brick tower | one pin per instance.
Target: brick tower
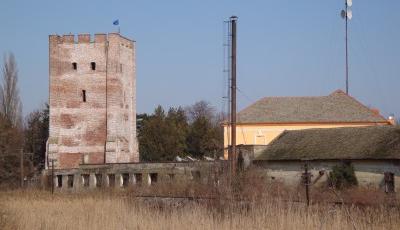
(92, 100)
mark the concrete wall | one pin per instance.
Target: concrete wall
(102, 129)
(369, 173)
(263, 134)
(87, 176)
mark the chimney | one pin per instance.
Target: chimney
(392, 119)
(375, 111)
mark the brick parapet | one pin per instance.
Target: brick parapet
(88, 38)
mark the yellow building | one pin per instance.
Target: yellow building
(268, 117)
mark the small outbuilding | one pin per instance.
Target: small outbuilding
(373, 152)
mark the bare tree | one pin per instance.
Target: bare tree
(10, 103)
(205, 133)
(200, 109)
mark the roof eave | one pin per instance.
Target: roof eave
(311, 122)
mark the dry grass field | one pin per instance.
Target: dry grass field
(27, 210)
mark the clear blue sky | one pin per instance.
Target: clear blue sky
(285, 48)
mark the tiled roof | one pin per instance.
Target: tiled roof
(372, 142)
(336, 107)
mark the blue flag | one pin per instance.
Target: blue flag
(116, 22)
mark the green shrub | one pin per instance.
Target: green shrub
(342, 176)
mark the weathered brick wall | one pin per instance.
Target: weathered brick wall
(80, 130)
(121, 99)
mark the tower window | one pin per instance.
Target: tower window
(74, 66)
(84, 95)
(93, 65)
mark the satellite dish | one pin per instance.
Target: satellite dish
(343, 14)
(349, 14)
(349, 2)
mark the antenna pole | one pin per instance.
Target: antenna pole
(347, 54)
(228, 73)
(233, 157)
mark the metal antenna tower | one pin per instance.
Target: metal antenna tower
(347, 14)
(233, 157)
(227, 78)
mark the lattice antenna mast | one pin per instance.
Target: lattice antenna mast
(233, 157)
(227, 78)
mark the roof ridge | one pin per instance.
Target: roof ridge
(335, 92)
(294, 97)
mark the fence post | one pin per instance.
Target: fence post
(306, 180)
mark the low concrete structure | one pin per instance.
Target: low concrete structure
(369, 173)
(374, 153)
(131, 174)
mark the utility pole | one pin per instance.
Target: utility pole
(307, 180)
(233, 155)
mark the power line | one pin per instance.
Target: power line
(244, 94)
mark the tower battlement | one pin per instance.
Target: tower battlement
(88, 38)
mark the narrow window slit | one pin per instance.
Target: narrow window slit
(84, 95)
